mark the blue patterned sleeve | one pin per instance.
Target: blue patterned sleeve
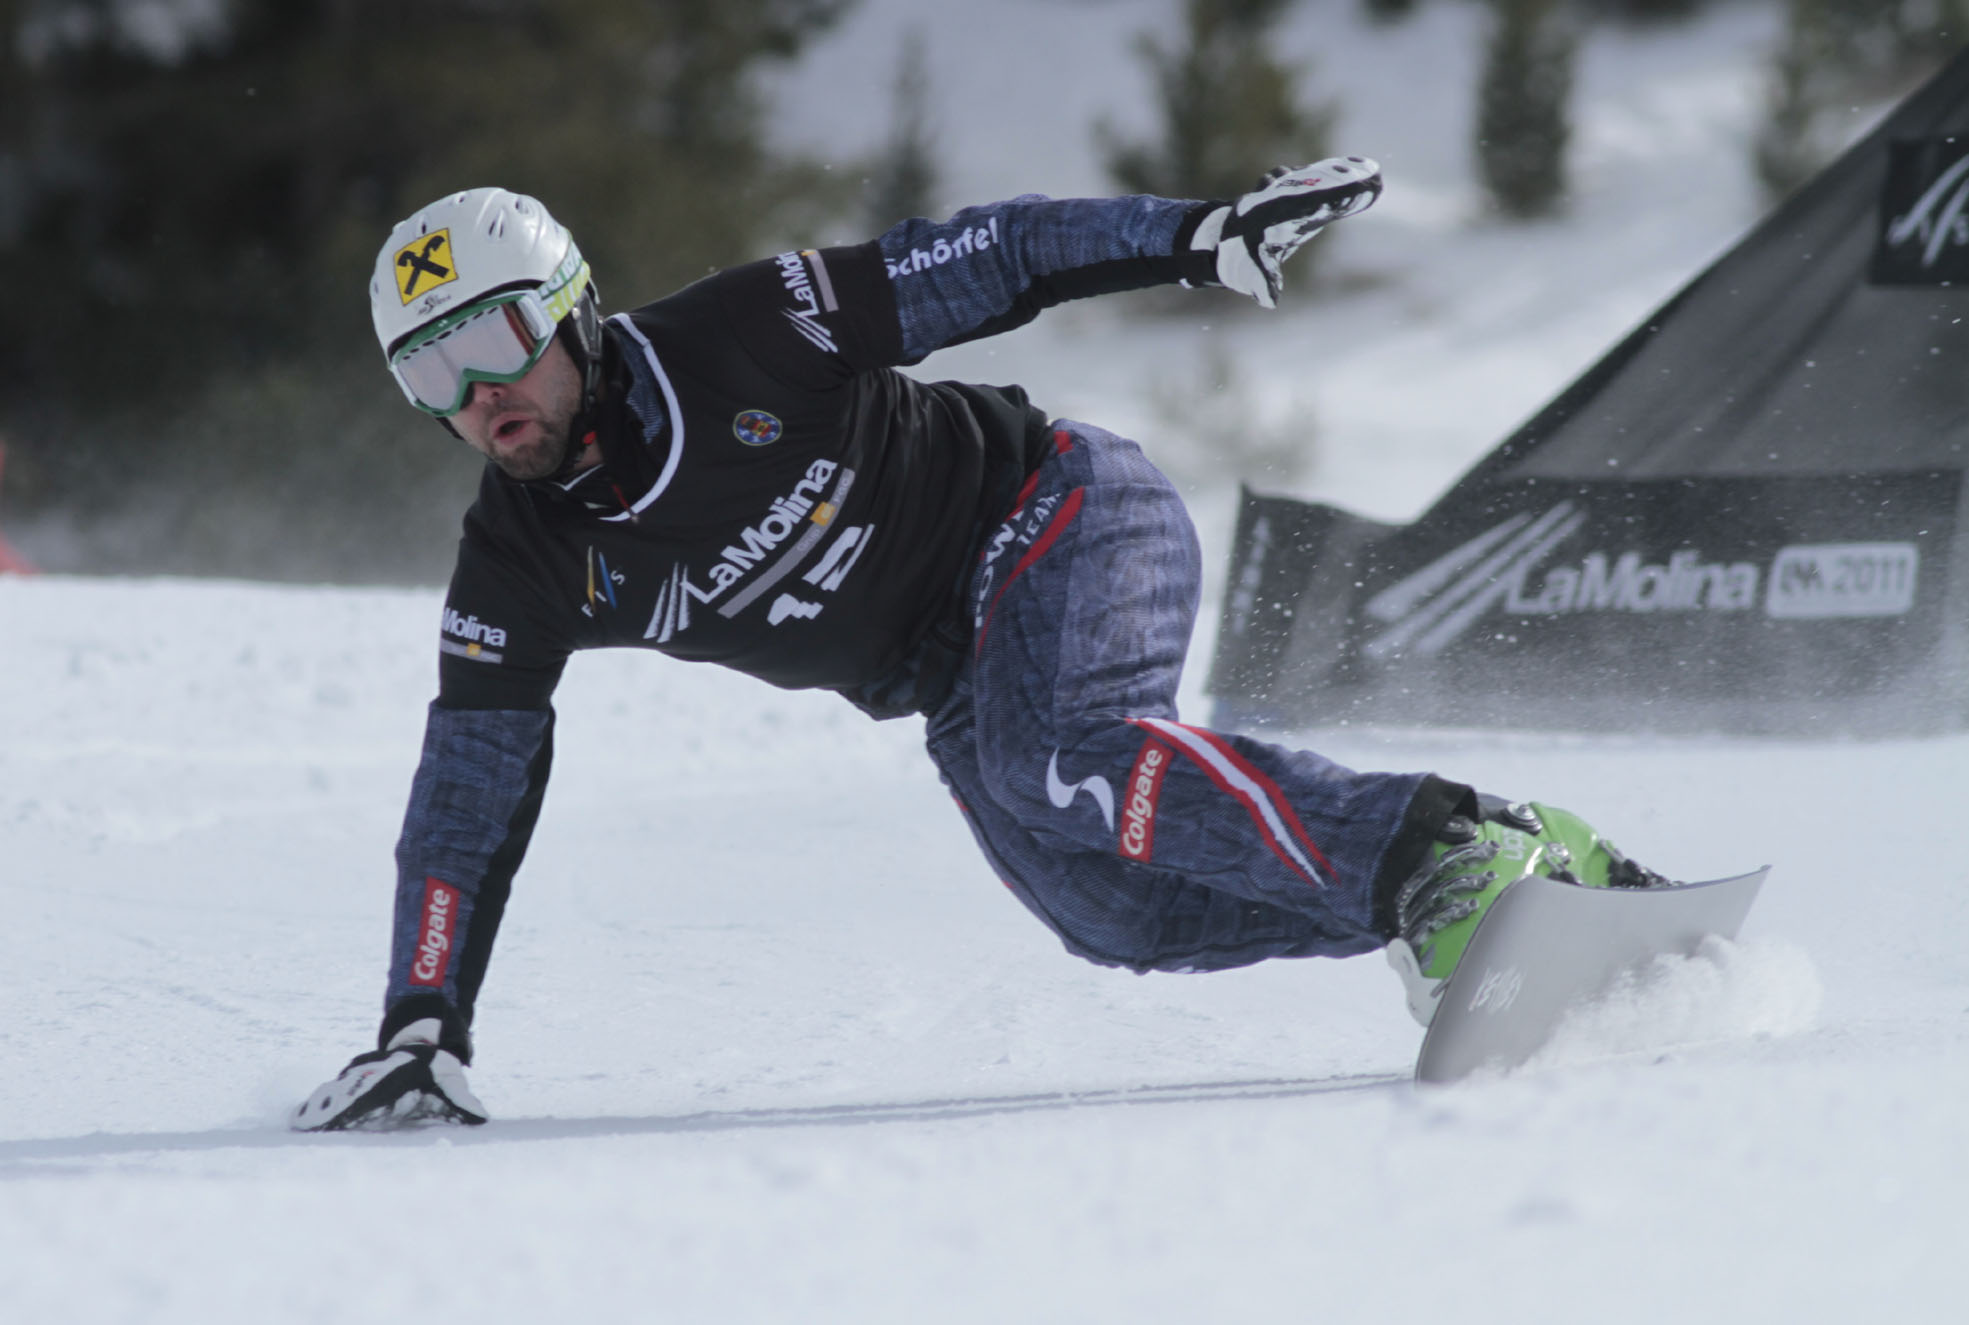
(991, 268)
(473, 805)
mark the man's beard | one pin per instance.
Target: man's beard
(543, 456)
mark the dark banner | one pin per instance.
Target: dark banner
(1292, 562)
(1723, 588)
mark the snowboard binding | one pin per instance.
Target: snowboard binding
(1470, 865)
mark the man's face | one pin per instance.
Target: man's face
(525, 427)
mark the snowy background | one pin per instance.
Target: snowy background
(765, 1041)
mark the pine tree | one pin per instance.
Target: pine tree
(1522, 127)
(904, 178)
(187, 233)
(1837, 53)
(1230, 108)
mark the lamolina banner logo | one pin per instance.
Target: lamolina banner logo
(1505, 570)
(1924, 214)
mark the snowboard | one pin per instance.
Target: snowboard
(1547, 947)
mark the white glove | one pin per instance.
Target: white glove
(1258, 232)
(408, 1081)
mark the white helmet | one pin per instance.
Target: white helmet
(447, 271)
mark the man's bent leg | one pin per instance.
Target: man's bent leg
(1084, 609)
(1105, 908)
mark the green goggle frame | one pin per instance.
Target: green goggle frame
(498, 338)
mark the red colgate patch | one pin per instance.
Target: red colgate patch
(436, 934)
(1138, 804)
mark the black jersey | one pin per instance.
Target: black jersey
(774, 497)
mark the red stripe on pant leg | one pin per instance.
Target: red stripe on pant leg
(1063, 517)
(1239, 795)
(1062, 441)
(1257, 818)
(1025, 494)
(1271, 788)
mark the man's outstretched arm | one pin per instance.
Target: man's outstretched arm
(480, 782)
(473, 806)
(989, 269)
(821, 315)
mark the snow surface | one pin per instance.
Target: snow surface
(764, 1039)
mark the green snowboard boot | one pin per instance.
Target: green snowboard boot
(1472, 861)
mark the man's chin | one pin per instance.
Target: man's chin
(540, 459)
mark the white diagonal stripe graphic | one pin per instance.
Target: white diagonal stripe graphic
(1398, 600)
(813, 331)
(1435, 641)
(1526, 546)
(673, 609)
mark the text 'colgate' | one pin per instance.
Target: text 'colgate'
(1138, 809)
(435, 933)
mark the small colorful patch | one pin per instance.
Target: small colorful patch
(601, 581)
(755, 427)
(424, 263)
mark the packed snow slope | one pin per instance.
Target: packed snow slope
(765, 1041)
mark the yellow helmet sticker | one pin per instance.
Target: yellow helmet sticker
(424, 264)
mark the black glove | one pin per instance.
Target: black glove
(410, 1080)
(1258, 232)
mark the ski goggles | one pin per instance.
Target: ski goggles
(498, 339)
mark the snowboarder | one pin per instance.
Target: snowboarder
(738, 474)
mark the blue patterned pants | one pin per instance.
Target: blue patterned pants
(1143, 841)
